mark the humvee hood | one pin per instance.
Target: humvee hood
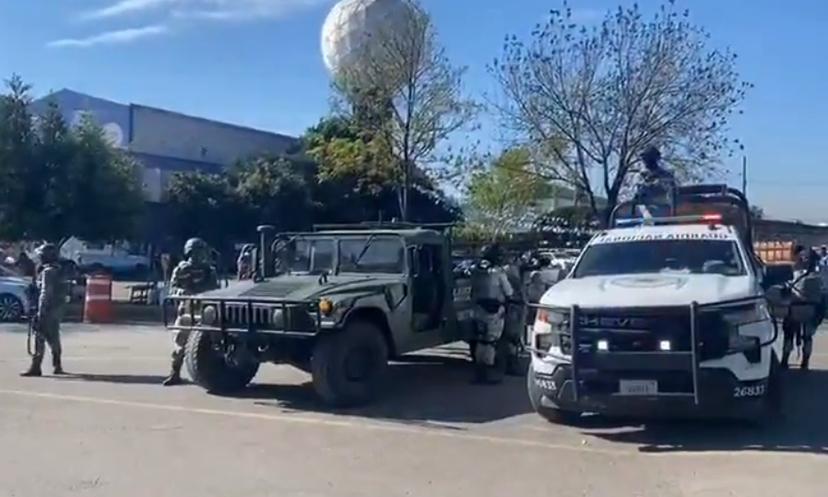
(297, 288)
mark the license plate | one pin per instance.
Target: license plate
(638, 387)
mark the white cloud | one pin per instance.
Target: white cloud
(112, 37)
(124, 7)
(221, 10)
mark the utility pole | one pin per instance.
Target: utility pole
(744, 175)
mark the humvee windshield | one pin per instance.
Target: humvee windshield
(356, 254)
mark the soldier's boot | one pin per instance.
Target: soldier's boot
(34, 368)
(57, 366)
(175, 373)
(807, 348)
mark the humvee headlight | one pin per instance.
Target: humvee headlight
(326, 307)
(209, 315)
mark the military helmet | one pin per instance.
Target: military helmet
(48, 253)
(491, 253)
(195, 245)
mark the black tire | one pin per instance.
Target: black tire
(11, 308)
(349, 366)
(551, 414)
(209, 369)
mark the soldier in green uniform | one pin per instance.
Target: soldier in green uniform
(51, 295)
(195, 274)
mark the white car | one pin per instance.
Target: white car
(114, 258)
(658, 319)
(14, 299)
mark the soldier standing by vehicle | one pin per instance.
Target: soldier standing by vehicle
(193, 275)
(50, 300)
(808, 307)
(490, 291)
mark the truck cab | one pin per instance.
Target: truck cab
(661, 315)
(337, 302)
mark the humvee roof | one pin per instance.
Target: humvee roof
(412, 234)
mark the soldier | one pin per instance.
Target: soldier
(50, 299)
(193, 275)
(490, 292)
(657, 184)
(244, 264)
(808, 294)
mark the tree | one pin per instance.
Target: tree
(204, 205)
(407, 96)
(17, 141)
(57, 182)
(354, 180)
(588, 101)
(505, 197)
(106, 200)
(274, 192)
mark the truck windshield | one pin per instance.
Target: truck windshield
(379, 254)
(311, 255)
(676, 256)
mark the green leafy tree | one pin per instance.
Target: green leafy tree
(407, 96)
(504, 198)
(17, 141)
(57, 182)
(274, 192)
(204, 205)
(588, 100)
(106, 197)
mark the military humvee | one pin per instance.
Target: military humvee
(337, 303)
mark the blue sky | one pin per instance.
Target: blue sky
(258, 63)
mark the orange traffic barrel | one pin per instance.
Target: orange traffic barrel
(98, 304)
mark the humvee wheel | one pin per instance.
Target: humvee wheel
(349, 366)
(551, 414)
(209, 369)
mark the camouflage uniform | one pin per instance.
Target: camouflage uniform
(656, 186)
(50, 300)
(490, 291)
(193, 275)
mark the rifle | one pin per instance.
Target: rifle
(33, 321)
(33, 332)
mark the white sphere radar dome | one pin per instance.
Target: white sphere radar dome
(353, 26)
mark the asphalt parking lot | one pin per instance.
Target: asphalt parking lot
(110, 429)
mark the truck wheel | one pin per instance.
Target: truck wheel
(348, 367)
(551, 414)
(209, 368)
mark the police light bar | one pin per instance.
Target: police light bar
(652, 221)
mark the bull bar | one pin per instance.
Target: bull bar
(582, 358)
(255, 315)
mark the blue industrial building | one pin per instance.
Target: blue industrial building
(165, 142)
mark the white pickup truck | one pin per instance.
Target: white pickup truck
(661, 316)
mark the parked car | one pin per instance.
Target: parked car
(14, 295)
(115, 258)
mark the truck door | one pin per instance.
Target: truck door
(428, 288)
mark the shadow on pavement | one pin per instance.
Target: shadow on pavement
(421, 389)
(801, 428)
(123, 379)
